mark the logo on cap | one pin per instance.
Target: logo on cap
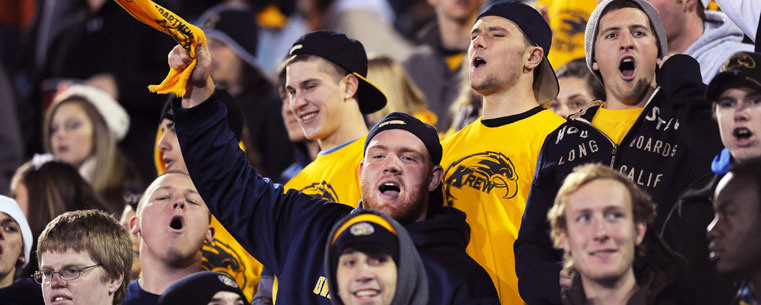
(361, 229)
(227, 281)
(397, 122)
(739, 61)
(294, 48)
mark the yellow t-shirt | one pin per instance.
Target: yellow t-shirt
(227, 256)
(568, 21)
(615, 123)
(487, 174)
(333, 175)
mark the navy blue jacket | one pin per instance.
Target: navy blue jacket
(287, 232)
(670, 145)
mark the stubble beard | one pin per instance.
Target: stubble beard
(405, 212)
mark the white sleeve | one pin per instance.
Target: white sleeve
(744, 13)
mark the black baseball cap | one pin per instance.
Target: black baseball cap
(537, 30)
(366, 230)
(347, 53)
(199, 288)
(742, 66)
(404, 121)
(225, 24)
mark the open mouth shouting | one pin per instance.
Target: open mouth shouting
(169, 162)
(742, 136)
(177, 223)
(627, 67)
(478, 62)
(389, 189)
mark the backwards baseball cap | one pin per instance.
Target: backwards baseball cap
(233, 26)
(365, 230)
(347, 53)
(743, 67)
(404, 121)
(538, 31)
(199, 288)
(593, 25)
(10, 207)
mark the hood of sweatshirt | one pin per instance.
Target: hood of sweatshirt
(411, 284)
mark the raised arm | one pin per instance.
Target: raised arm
(252, 208)
(200, 85)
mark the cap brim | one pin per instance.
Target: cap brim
(371, 98)
(546, 86)
(717, 83)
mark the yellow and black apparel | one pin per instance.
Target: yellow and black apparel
(488, 169)
(568, 21)
(333, 175)
(669, 146)
(224, 254)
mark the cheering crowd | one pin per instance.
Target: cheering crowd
(381, 152)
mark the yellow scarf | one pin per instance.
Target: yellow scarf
(186, 34)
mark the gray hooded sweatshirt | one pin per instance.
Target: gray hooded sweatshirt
(720, 40)
(411, 283)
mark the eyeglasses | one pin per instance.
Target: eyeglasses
(66, 274)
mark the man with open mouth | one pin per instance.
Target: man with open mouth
(489, 164)
(736, 97)
(173, 223)
(657, 131)
(286, 231)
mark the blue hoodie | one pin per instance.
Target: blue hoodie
(287, 231)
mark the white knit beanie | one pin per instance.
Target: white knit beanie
(112, 112)
(10, 207)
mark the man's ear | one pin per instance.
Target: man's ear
(210, 234)
(437, 173)
(361, 169)
(114, 284)
(535, 56)
(594, 66)
(134, 225)
(563, 240)
(641, 228)
(352, 84)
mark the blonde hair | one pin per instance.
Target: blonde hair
(111, 169)
(643, 209)
(401, 93)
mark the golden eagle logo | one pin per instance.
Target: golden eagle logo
(485, 172)
(321, 190)
(220, 257)
(739, 61)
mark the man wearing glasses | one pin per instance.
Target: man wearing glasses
(84, 259)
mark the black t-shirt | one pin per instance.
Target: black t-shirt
(138, 296)
(22, 292)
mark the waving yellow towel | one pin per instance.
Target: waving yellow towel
(186, 34)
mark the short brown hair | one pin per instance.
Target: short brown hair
(328, 66)
(643, 208)
(96, 232)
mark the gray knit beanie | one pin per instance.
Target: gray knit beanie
(594, 22)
